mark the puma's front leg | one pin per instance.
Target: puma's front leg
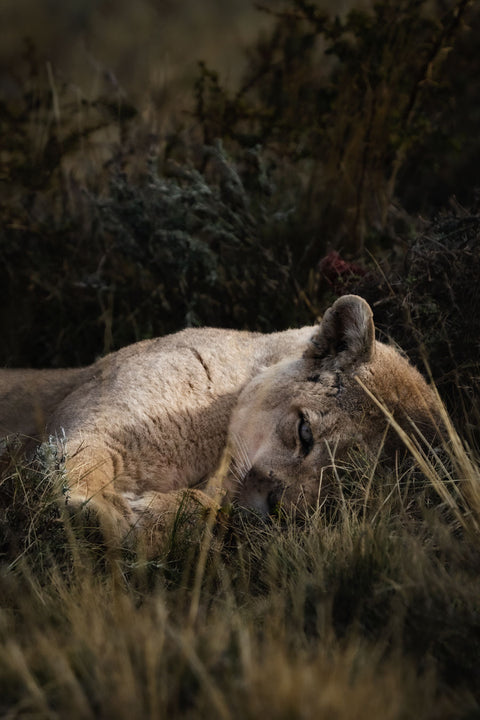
(157, 512)
(99, 486)
(91, 470)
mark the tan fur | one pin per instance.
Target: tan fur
(156, 417)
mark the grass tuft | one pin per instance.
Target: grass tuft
(370, 609)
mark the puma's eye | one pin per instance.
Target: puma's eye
(305, 435)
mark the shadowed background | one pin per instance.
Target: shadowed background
(166, 164)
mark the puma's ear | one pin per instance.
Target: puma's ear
(346, 333)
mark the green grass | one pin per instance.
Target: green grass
(373, 611)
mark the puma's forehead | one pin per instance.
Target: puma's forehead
(388, 375)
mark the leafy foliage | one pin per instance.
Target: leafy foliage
(187, 248)
(429, 302)
(353, 100)
(200, 245)
(111, 234)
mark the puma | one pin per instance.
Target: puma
(262, 417)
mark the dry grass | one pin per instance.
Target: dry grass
(372, 612)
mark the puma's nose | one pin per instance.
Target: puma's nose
(260, 492)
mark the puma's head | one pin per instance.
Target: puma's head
(296, 417)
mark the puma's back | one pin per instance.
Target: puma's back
(29, 397)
